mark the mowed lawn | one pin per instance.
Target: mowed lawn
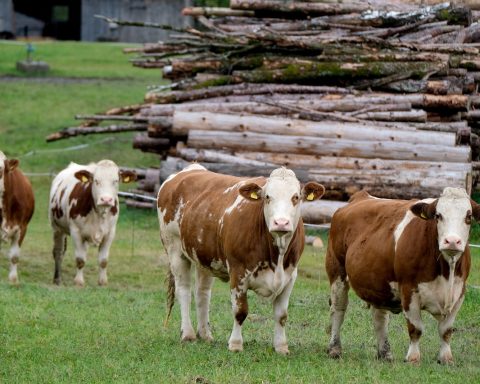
(115, 334)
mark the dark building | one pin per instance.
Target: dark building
(74, 19)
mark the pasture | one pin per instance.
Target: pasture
(115, 333)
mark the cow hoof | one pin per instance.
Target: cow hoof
(387, 356)
(103, 282)
(79, 283)
(446, 360)
(282, 350)
(188, 337)
(235, 346)
(57, 281)
(414, 359)
(207, 337)
(334, 352)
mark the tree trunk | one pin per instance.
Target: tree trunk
(185, 122)
(325, 147)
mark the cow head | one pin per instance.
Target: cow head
(281, 197)
(104, 181)
(453, 212)
(6, 166)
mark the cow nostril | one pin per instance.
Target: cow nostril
(459, 242)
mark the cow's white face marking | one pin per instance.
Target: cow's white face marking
(453, 216)
(105, 183)
(282, 196)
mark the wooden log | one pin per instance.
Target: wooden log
(264, 109)
(76, 131)
(325, 147)
(297, 9)
(448, 86)
(140, 204)
(239, 89)
(320, 211)
(354, 163)
(415, 115)
(340, 72)
(209, 156)
(185, 122)
(215, 11)
(148, 144)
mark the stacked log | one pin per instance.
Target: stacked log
(378, 95)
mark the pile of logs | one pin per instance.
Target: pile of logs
(379, 95)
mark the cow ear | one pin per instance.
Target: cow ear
(423, 210)
(128, 176)
(475, 210)
(312, 191)
(11, 164)
(251, 192)
(84, 176)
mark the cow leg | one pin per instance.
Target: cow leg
(203, 290)
(280, 311)
(338, 306)
(103, 252)
(59, 246)
(14, 256)
(181, 270)
(81, 248)
(445, 330)
(380, 323)
(238, 293)
(415, 327)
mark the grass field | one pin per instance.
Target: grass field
(115, 334)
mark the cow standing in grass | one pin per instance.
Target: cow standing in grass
(245, 231)
(398, 256)
(84, 204)
(17, 204)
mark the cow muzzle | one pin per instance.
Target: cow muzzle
(451, 246)
(106, 201)
(281, 226)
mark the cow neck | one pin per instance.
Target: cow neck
(446, 269)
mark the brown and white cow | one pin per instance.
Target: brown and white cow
(17, 204)
(84, 204)
(398, 256)
(245, 231)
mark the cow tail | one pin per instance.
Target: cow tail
(170, 295)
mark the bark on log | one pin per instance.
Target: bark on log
(320, 211)
(185, 122)
(325, 147)
(76, 131)
(215, 11)
(239, 89)
(259, 108)
(148, 144)
(297, 9)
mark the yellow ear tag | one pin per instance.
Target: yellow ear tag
(126, 179)
(311, 196)
(84, 179)
(254, 195)
(422, 215)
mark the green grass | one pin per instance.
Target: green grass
(115, 334)
(75, 59)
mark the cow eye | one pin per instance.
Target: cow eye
(97, 182)
(438, 216)
(267, 198)
(295, 199)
